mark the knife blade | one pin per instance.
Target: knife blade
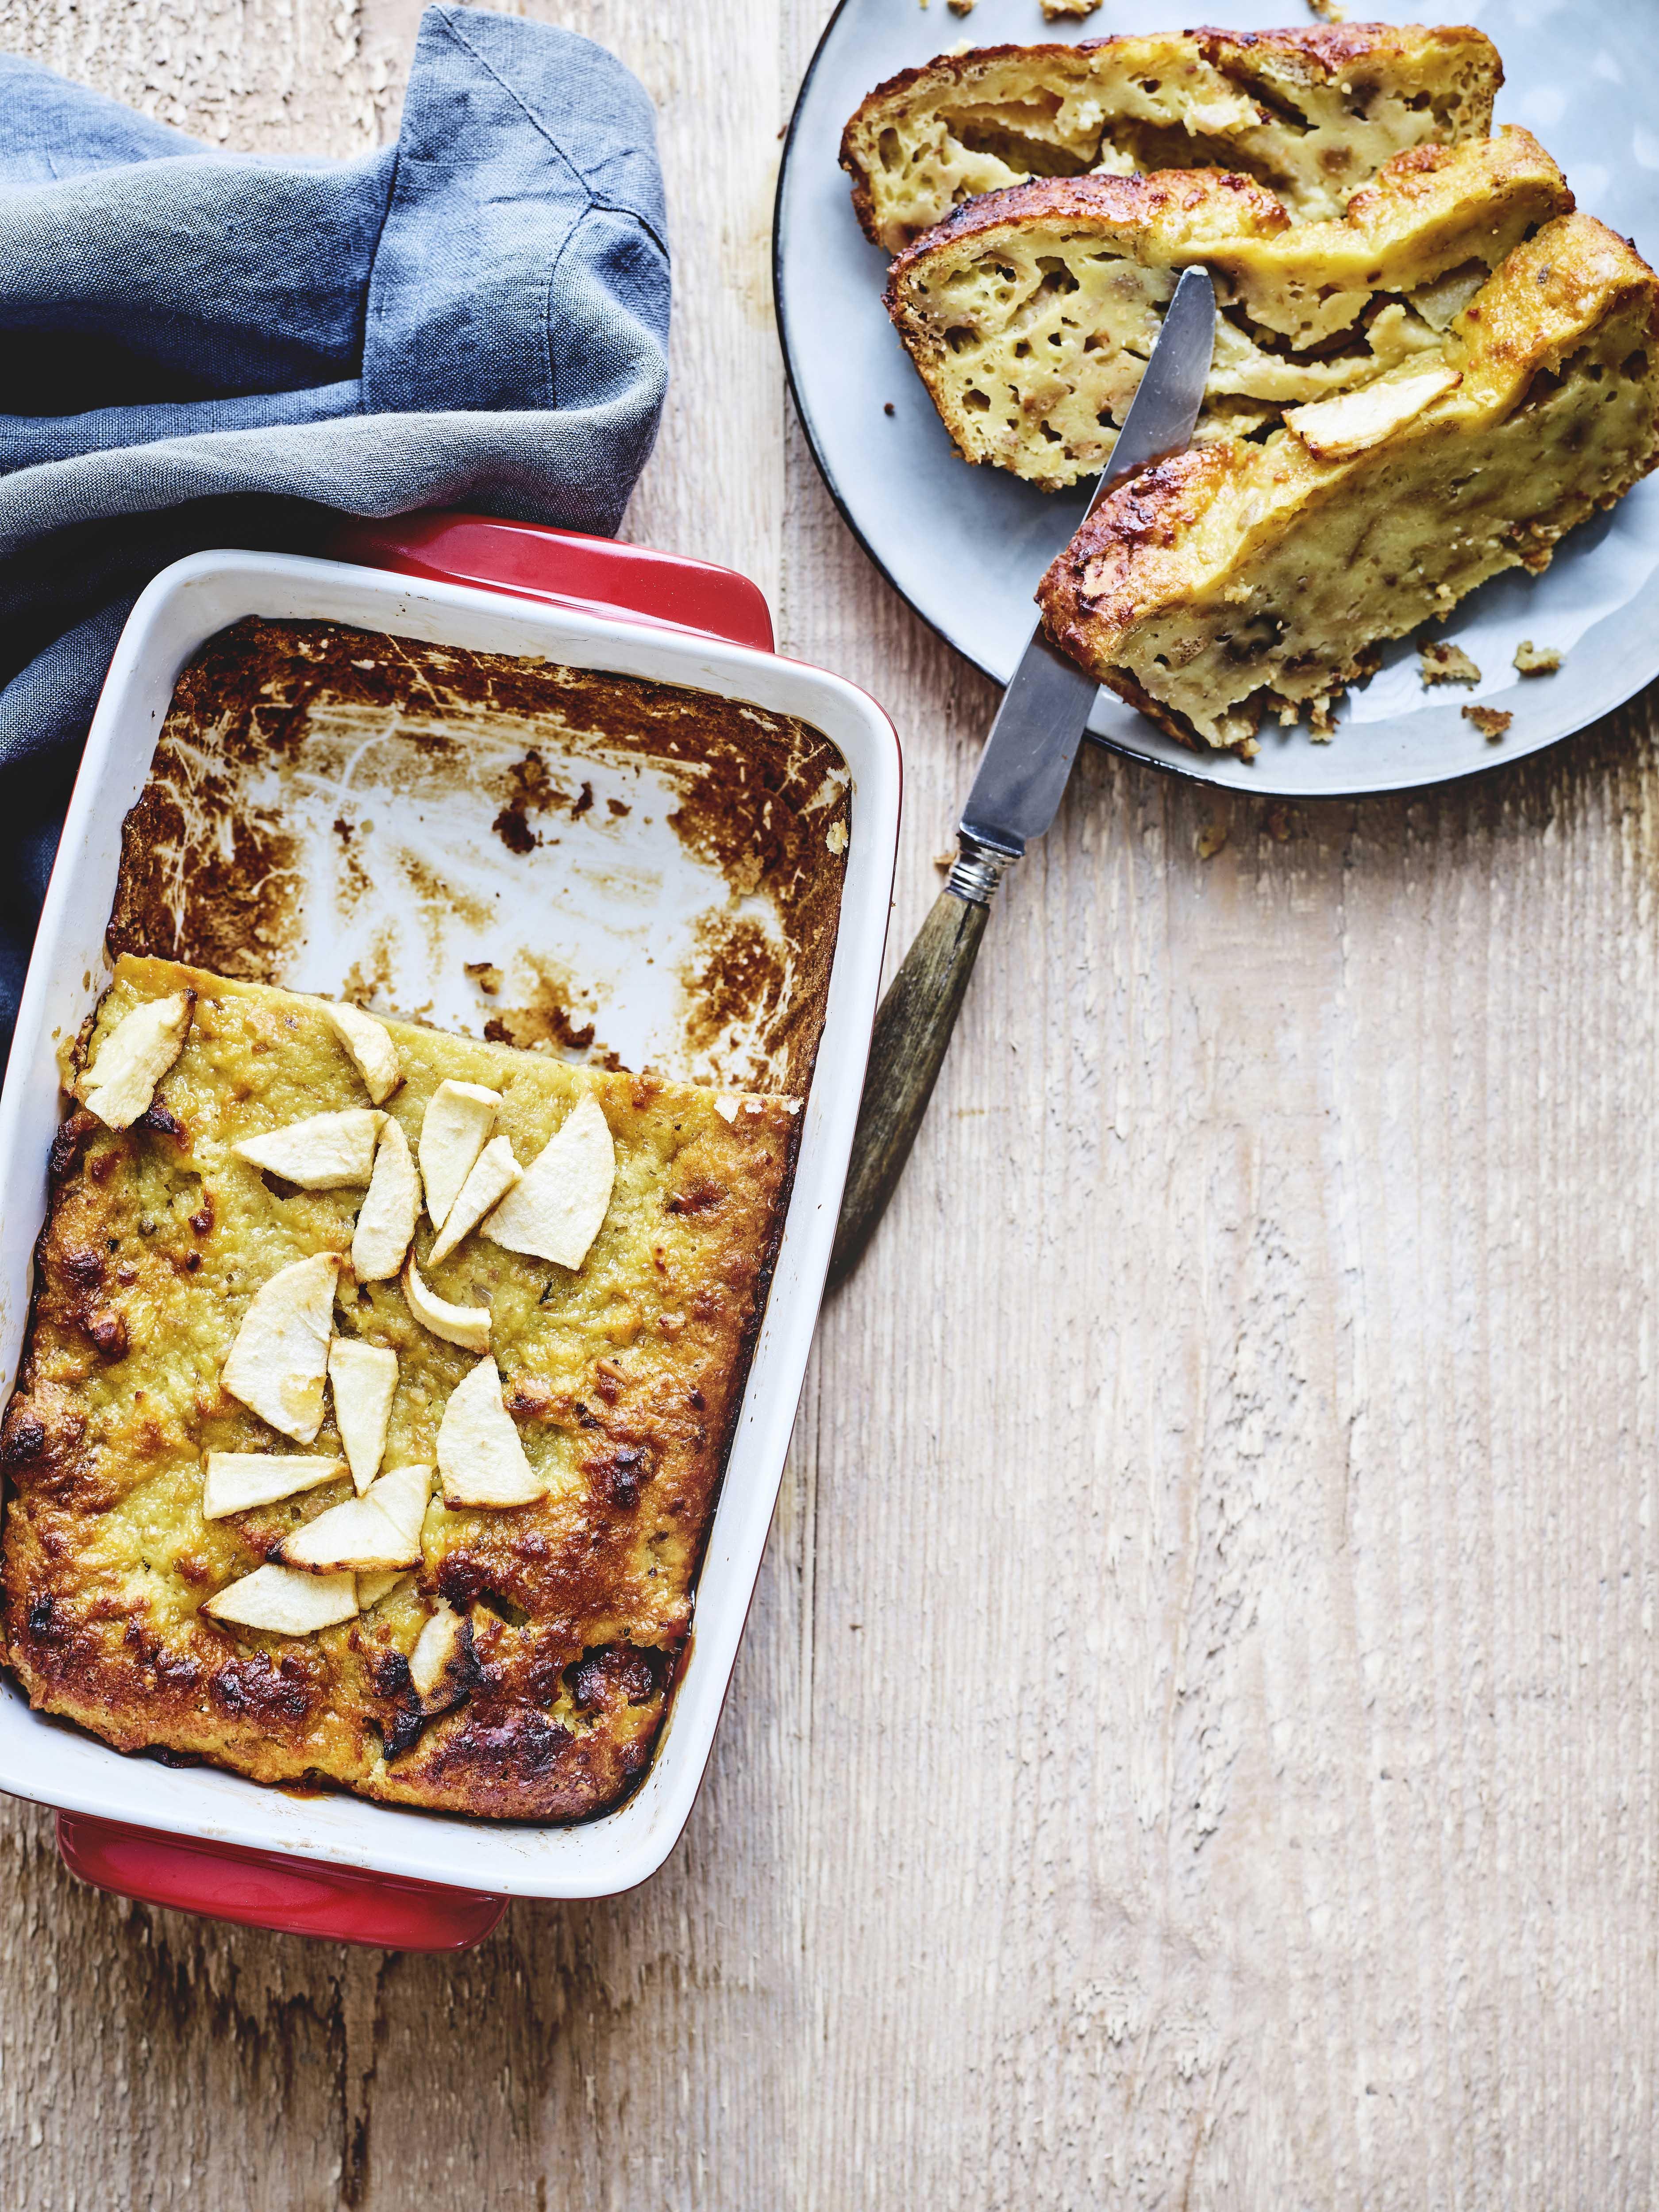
(1028, 756)
(1016, 793)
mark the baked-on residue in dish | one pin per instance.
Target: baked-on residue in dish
(313, 780)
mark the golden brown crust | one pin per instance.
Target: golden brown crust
(1129, 556)
(624, 1379)
(1331, 49)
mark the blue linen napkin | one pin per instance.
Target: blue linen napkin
(209, 348)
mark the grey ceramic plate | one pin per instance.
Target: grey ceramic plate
(966, 546)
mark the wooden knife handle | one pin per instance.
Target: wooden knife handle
(913, 1024)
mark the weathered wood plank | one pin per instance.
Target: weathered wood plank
(1194, 1743)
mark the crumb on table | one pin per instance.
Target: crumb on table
(1447, 664)
(1210, 840)
(1054, 10)
(1490, 721)
(1537, 659)
(961, 7)
(1327, 11)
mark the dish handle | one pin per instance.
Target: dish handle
(269, 1889)
(531, 560)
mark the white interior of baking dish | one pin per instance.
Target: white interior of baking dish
(609, 918)
(384, 851)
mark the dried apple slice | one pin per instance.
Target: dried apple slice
(1336, 429)
(134, 1057)
(390, 1209)
(235, 1482)
(558, 1205)
(377, 1532)
(365, 1380)
(370, 1049)
(490, 1176)
(453, 1131)
(480, 1455)
(402, 1494)
(466, 1326)
(280, 1357)
(285, 1603)
(324, 1151)
(437, 1648)
(349, 1536)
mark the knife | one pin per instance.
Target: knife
(1016, 793)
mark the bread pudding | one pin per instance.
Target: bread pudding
(1030, 313)
(1428, 365)
(1243, 577)
(375, 1395)
(1310, 113)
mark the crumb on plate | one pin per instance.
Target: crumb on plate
(1447, 664)
(1490, 721)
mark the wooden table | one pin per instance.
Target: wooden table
(1195, 1741)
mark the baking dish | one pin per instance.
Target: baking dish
(330, 1864)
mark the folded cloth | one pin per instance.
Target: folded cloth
(209, 348)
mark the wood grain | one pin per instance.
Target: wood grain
(1195, 1745)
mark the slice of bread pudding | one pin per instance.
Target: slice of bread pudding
(1244, 577)
(1310, 113)
(1030, 313)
